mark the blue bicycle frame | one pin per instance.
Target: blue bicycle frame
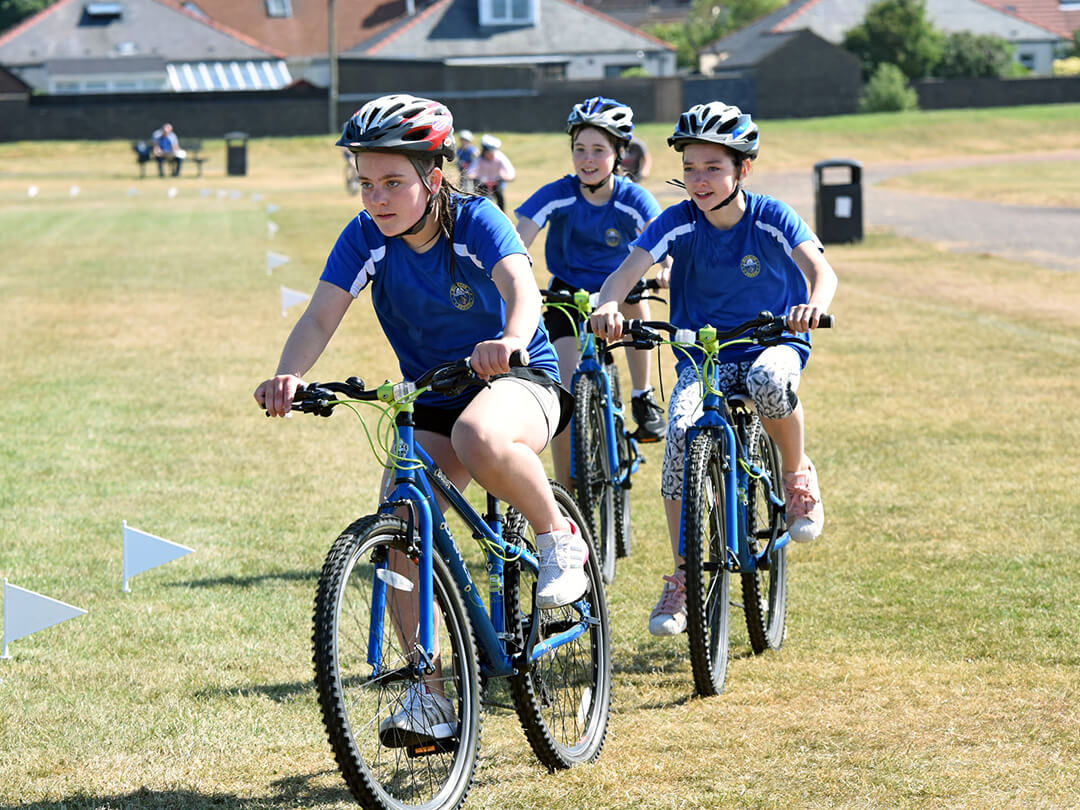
(590, 366)
(737, 474)
(413, 488)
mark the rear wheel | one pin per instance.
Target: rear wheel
(365, 659)
(562, 698)
(707, 579)
(764, 590)
(592, 471)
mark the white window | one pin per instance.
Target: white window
(509, 12)
(279, 8)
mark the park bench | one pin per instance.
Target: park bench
(144, 153)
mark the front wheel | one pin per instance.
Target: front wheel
(625, 455)
(392, 754)
(592, 470)
(562, 698)
(707, 579)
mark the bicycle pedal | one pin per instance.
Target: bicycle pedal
(432, 747)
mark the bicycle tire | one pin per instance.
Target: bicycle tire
(623, 529)
(707, 579)
(564, 699)
(592, 471)
(354, 701)
(764, 590)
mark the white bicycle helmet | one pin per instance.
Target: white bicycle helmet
(605, 114)
(716, 122)
(490, 142)
(401, 123)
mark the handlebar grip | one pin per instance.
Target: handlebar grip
(519, 358)
(826, 321)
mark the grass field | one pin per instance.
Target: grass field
(933, 632)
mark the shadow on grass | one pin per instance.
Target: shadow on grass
(311, 576)
(287, 794)
(667, 669)
(278, 692)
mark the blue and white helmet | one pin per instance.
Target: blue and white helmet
(605, 114)
(716, 122)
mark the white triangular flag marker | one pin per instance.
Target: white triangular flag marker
(74, 191)
(173, 191)
(274, 260)
(256, 197)
(291, 298)
(32, 191)
(144, 551)
(272, 209)
(26, 612)
(235, 195)
(205, 192)
(222, 194)
(271, 227)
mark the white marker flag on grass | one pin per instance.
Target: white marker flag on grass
(272, 209)
(274, 260)
(271, 227)
(144, 551)
(290, 298)
(26, 612)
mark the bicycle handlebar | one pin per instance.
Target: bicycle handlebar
(573, 297)
(446, 378)
(766, 328)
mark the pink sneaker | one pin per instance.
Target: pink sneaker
(805, 512)
(668, 618)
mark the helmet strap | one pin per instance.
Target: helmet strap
(729, 197)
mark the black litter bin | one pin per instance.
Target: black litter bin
(838, 206)
(236, 153)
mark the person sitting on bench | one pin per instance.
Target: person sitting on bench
(167, 147)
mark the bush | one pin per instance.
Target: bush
(1067, 67)
(974, 56)
(888, 91)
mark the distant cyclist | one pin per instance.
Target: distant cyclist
(734, 254)
(491, 171)
(592, 216)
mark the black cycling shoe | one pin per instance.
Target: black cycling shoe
(649, 417)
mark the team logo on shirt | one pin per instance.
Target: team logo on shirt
(750, 265)
(612, 237)
(462, 296)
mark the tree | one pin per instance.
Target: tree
(13, 12)
(975, 56)
(706, 22)
(897, 32)
(888, 91)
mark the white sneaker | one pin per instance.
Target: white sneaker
(423, 716)
(805, 512)
(668, 618)
(562, 577)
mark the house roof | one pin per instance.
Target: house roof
(1048, 14)
(157, 28)
(305, 33)
(451, 28)
(831, 19)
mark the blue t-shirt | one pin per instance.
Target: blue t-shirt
(585, 242)
(726, 277)
(434, 310)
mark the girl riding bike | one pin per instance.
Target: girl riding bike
(592, 216)
(449, 279)
(735, 253)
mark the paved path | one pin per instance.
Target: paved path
(1045, 236)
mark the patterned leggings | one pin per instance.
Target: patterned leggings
(771, 380)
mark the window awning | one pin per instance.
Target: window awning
(202, 77)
